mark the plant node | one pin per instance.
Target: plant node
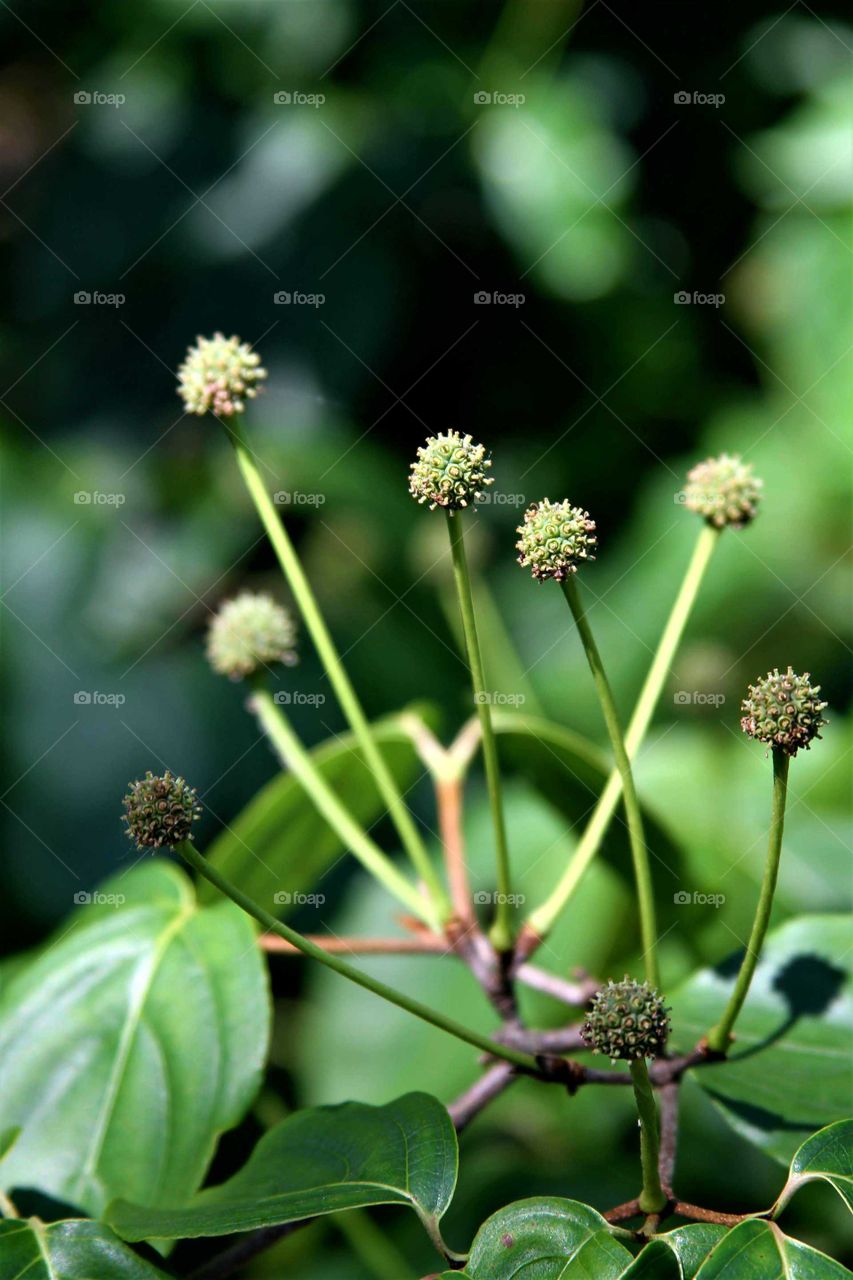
(783, 710)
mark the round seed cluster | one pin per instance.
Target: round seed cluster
(160, 811)
(555, 538)
(783, 710)
(627, 1020)
(249, 632)
(219, 375)
(450, 471)
(723, 491)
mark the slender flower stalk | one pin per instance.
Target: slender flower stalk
(652, 1197)
(294, 757)
(501, 933)
(784, 711)
(543, 917)
(639, 853)
(334, 668)
(435, 1017)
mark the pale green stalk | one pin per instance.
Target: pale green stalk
(652, 1197)
(501, 932)
(639, 853)
(543, 918)
(191, 855)
(325, 646)
(294, 757)
(720, 1035)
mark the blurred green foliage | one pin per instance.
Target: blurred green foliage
(399, 198)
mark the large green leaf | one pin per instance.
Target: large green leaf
(789, 1071)
(550, 1239)
(280, 845)
(656, 1262)
(756, 1250)
(692, 1244)
(827, 1156)
(129, 1042)
(67, 1251)
(321, 1160)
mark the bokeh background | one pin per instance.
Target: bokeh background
(189, 167)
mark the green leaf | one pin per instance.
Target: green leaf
(321, 1160)
(826, 1156)
(130, 1042)
(550, 1238)
(69, 1250)
(789, 1071)
(756, 1250)
(656, 1262)
(692, 1244)
(280, 843)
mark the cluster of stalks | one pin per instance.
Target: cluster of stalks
(556, 539)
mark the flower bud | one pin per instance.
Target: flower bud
(219, 375)
(724, 491)
(555, 538)
(783, 710)
(249, 632)
(450, 472)
(160, 811)
(627, 1020)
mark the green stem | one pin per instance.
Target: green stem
(294, 757)
(501, 933)
(333, 666)
(639, 854)
(191, 855)
(543, 918)
(720, 1036)
(652, 1197)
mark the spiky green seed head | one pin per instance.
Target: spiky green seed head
(249, 632)
(783, 710)
(627, 1020)
(450, 471)
(219, 375)
(160, 811)
(555, 538)
(723, 491)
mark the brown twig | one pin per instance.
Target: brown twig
(482, 1092)
(427, 944)
(448, 795)
(574, 994)
(698, 1214)
(668, 1095)
(623, 1212)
